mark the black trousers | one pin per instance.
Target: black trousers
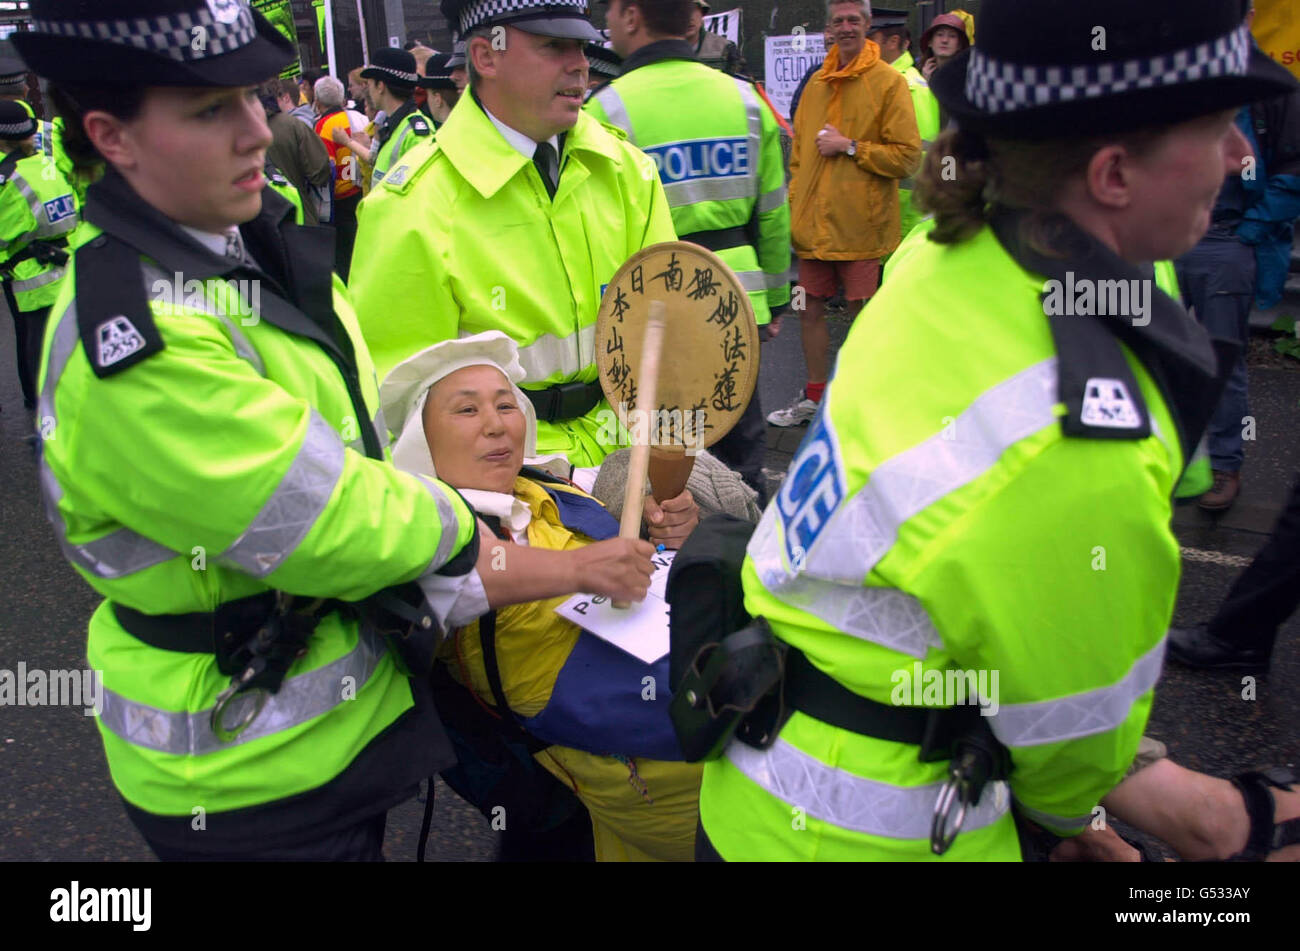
(345, 232)
(363, 842)
(29, 333)
(1268, 591)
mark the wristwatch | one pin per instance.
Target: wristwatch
(852, 150)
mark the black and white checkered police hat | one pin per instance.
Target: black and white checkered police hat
(437, 72)
(1062, 68)
(603, 61)
(12, 68)
(392, 66)
(153, 42)
(16, 123)
(568, 19)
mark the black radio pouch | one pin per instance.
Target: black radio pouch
(732, 688)
(725, 667)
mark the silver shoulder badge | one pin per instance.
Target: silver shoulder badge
(117, 339)
(1106, 403)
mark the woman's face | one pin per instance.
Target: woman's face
(475, 430)
(945, 42)
(194, 154)
(1173, 187)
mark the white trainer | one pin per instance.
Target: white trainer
(798, 413)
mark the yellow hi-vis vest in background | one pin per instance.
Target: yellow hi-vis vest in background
(462, 237)
(207, 455)
(926, 108)
(718, 150)
(36, 205)
(936, 521)
(409, 127)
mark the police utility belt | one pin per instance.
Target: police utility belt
(47, 251)
(748, 684)
(721, 239)
(564, 401)
(256, 640)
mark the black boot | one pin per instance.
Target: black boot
(1197, 647)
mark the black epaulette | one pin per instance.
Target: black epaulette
(274, 175)
(8, 165)
(420, 126)
(113, 315)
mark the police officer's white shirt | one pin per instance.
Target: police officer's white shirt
(222, 244)
(518, 141)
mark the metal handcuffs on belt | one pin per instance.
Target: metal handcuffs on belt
(263, 661)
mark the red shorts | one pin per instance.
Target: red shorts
(861, 279)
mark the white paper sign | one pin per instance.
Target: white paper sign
(641, 630)
(786, 59)
(725, 24)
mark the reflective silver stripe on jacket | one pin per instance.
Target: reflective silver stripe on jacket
(854, 802)
(1046, 818)
(615, 111)
(295, 505)
(549, 354)
(883, 616)
(448, 525)
(863, 529)
(691, 190)
(40, 280)
(300, 699)
(759, 280)
(772, 200)
(120, 552)
(1079, 714)
(754, 120)
(44, 227)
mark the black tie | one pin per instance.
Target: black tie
(547, 166)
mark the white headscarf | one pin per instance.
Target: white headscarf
(406, 389)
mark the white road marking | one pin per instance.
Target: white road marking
(1215, 557)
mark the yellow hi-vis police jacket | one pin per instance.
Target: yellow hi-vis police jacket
(210, 433)
(981, 511)
(36, 204)
(461, 237)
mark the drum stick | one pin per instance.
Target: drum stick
(647, 385)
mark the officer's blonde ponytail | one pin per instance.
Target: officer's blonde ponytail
(964, 175)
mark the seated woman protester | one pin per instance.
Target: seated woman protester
(603, 711)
